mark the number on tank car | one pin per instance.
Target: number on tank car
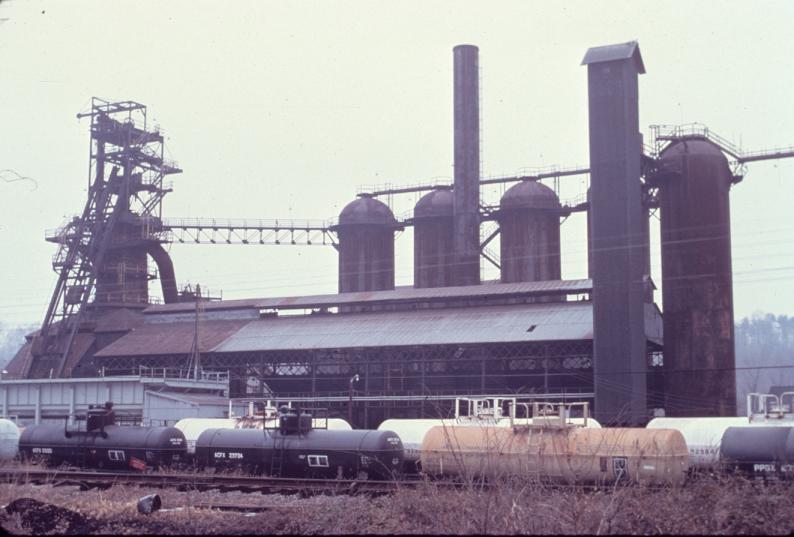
(620, 467)
(394, 440)
(42, 450)
(787, 468)
(230, 455)
(176, 441)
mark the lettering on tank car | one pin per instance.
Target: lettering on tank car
(365, 460)
(395, 461)
(393, 440)
(763, 468)
(230, 455)
(42, 450)
(620, 467)
(175, 441)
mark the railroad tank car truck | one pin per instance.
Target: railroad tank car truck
(103, 444)
(551, 450)
(294, 448)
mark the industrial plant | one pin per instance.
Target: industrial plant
(374, 350)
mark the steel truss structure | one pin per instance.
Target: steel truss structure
(405, 381)
(125, 182)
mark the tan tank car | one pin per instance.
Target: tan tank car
(550, 450)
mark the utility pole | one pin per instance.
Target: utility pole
(354, 378)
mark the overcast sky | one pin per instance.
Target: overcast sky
(282, 109)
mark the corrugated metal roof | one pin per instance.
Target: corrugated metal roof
(491, 324)
(170, 338)
(406, 294)
(80, 346)
(609, 53)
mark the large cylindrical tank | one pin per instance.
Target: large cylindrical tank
(699, 363)
(434, 256)
(9, 440)
(762, 451)
(313, 453)
(529, 222)
(113, 447)
(412, 431)
(557, 454)
(193, 427)
(704, 435)
(366, 246)
(123, 277)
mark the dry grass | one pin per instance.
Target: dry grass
(723, 505)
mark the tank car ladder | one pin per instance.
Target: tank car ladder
(277, 459)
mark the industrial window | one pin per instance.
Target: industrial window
(318, 461)
(116, 455)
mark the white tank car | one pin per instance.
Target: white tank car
(193, 427)
(9, 440)
(703, 435)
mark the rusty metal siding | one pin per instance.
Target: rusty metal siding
(699, 359)
(529, 224)
(366, 246)
(171, 338)
(123, 275)
(366, 258)
(434, 254)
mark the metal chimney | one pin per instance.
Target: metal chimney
(466, 241)
(619, 341)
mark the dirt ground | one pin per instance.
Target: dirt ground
(710, 505)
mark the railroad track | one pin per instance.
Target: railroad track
(262, 484)
(201, 482)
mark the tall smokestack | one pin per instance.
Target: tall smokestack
(616, 232)
(466, 242)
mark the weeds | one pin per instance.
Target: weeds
(711, 505)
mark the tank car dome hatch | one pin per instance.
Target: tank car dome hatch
(366, 210)
(435, 204)
(529, 195)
